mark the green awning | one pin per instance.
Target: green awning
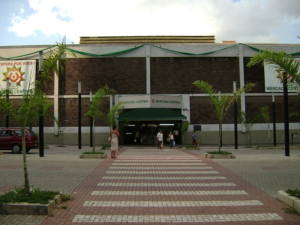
(151, 114)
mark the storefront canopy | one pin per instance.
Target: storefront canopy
(151, 114)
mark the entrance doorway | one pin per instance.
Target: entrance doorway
(145, 132)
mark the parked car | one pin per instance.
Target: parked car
(11, 139)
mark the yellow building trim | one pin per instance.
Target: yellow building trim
(147, 39)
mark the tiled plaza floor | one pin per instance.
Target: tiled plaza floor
(170, 186)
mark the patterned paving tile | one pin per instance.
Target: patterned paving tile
(160, 187)
(271, 168)
(52, 168)
(11, 167)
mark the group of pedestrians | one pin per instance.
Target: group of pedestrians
(171, 140)
(114, 135)
(160, 139)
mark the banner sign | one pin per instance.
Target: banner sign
(273, 84)
(17, 75)
(151, 101)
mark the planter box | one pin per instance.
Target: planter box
(25, 208)
(93, 156)
(216, 156)
(195, 148)
(289, 200)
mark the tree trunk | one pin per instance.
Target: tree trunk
(26, 179)
(269, 135)
(93, 134)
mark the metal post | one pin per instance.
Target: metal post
(41, 116)
(79, 114)
(91, 124)
(235, 118)
(7, 99)
(286, 115)
(274, 118)
(221, 141)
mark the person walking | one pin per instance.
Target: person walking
(194, 139)
(137, 138)
(114, 142)
(160, 139)
(171, 139)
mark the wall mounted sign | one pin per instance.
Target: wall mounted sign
(273, 84)
(17, 75)
(151, 101)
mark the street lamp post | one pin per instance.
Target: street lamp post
(274, 118)
(286, 116)
(41, 116)
(221, 138)
(79, 114)
(91, 123)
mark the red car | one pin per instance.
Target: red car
(11, 139)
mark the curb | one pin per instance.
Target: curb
(93, 156)
(289, 200)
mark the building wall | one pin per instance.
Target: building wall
(170, 73)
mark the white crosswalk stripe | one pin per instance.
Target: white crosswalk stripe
(166, 184)
(159, 168)
(176, 218)
(230, 192)
(162, 178)
(170, 203)
(159, 164)
(162, 172)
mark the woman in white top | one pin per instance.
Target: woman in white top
(160, 139)
(114, 142)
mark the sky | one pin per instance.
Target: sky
(38, 22)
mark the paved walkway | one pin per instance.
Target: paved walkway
(151, 186)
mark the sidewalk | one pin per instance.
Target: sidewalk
(150, 186)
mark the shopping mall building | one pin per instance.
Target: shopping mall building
(153, 77)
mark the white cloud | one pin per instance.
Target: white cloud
(243, 21)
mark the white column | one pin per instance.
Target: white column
(148, 77)
(242, 80)
(56, 103)
(186, 110)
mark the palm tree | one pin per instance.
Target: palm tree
(24, 112)
(288, 71)
(265, 115)
(221, 103)
(26, 109)
(97, 109)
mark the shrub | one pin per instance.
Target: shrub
(93, 153)
(105, 146)
(294, 193)
(220, 153)
(35, 196)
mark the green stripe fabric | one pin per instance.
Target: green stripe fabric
(135, 48)
(32, 53)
